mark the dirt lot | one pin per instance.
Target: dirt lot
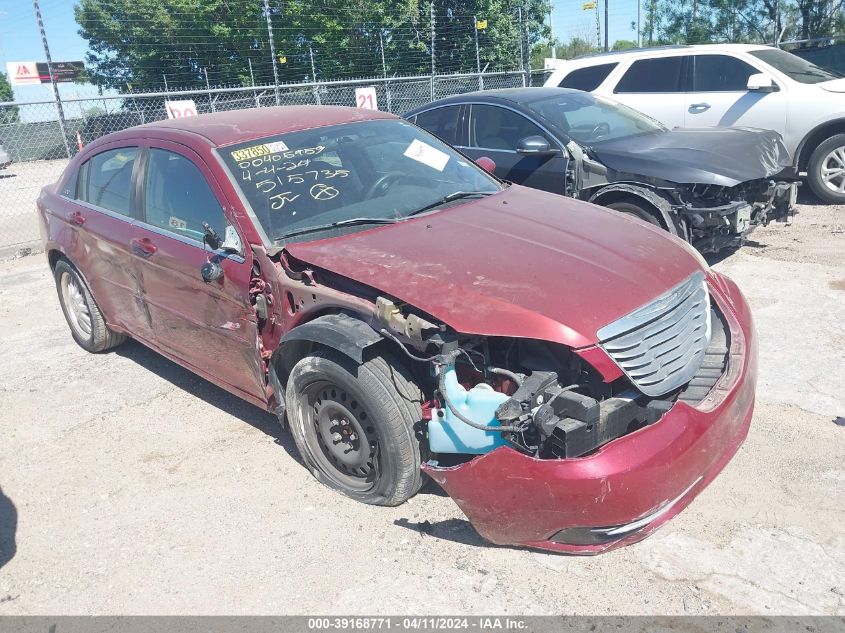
(20, 185)
(139, 488)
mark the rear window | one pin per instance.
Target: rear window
(662, 74)
(106, 180)
(589, 78)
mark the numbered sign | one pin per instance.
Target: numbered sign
(179, 109)
(366, 98)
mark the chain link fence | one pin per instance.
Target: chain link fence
(31, 133)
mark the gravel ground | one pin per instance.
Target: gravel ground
(139, 488)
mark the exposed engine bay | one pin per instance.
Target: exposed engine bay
(537, 397)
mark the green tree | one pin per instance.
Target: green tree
(8, 114)
(138, 42)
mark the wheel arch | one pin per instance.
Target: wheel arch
(348, 334)
(651, 199)
(814, 138)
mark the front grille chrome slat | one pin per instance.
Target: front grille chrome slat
(661, 345)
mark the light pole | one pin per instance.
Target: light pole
(59, 107)
(272, 51)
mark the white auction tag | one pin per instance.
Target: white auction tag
(427, 155)
(366, 98)
(277, 146)
(180, 109)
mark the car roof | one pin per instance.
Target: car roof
(235, 126)
(656, 51)
(514, 95)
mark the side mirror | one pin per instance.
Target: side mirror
(761, 82)
(534, 146)
(210, 237)
(211, 271)
(486, 163)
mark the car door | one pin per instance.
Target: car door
(100, 214)
(656, 87)
(495, 131)
(209, 327)
(720, 96)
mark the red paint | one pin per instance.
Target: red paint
(521, 263)
(513, 499)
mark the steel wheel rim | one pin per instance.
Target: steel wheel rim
(342, 436)
(73, 297)
(833, 170)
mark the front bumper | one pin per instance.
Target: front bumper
(629, 487)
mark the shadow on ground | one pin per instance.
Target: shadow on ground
(8, 528)
(189, 382)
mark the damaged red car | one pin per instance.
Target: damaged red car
(572, 377)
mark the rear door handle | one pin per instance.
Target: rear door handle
(77, 218)
(700, 107)
(143, 246)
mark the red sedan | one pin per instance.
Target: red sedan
(572, 377)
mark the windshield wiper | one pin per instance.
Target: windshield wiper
(457, 195)
(332, 225)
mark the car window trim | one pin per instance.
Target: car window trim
(553, 138)
(458, 134)
(694, 68)
(133, 211)
(153, 228)
(684, 78)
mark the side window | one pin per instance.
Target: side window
(178, 197)
(589, 78)
(721, 73)
(442, 122)
(106, 180)
(492, 127)
(662, 74)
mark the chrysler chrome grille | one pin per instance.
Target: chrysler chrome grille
(660, 345)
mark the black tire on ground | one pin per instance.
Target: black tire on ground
(86, 322)
(354, 425)
(830, 154)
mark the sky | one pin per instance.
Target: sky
(20, 39)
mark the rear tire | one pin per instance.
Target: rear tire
(354, 425)
(826, 170)
(86, 322)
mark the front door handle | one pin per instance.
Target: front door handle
(143, 246)
(77, 218)
(699, 107)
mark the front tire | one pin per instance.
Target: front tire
(826, 170)
(354, 425)
(87, 324)
(638, 211)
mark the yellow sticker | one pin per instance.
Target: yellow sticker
(251, 152)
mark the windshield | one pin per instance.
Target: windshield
(383, 170)
(795, 67)
(589, 119)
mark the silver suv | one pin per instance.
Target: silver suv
(730, 85)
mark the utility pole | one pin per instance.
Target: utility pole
(521, 46)
(208, 88)
(639, 23)
(552, 30)
(598, 25)
(252, 81)
(59, 107)
(384, 71)
(433, 67)
(272, 51)
(606, 44)
(477, 53)
(314, 76)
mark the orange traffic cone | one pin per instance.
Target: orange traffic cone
(79, 140)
